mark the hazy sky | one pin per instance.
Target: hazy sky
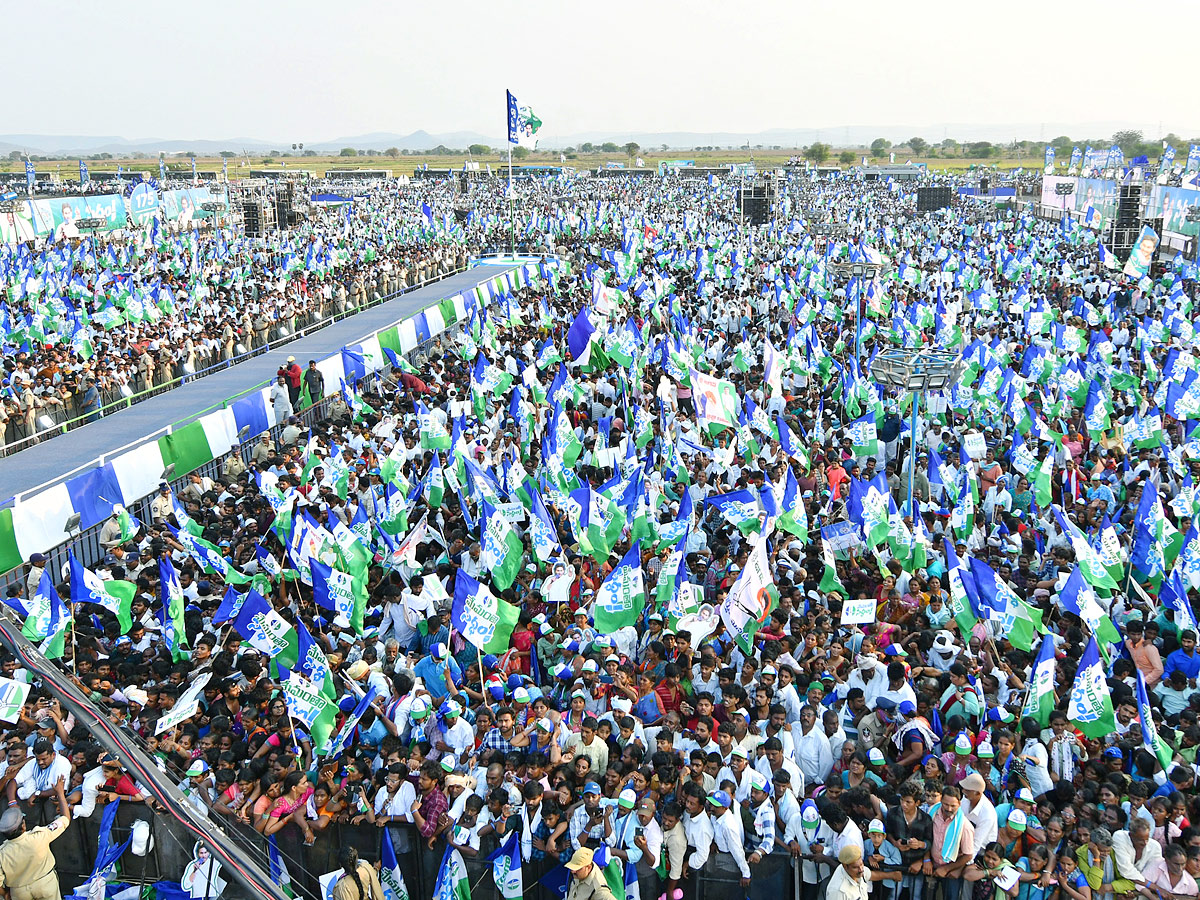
(303, 70)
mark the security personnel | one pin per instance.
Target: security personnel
(588, 882)
(26, 863)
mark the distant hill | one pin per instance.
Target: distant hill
(840, 136)
(83, 145)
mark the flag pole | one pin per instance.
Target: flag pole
(512, 225)
(74, 643)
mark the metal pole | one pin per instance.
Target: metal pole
(512, 225)
(857, 325)
(912, 454)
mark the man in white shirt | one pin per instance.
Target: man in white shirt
(418, 605)
(811, 748)
(37, 778)
(729, 836)
(699, 829)
(979, 809)
(850, 880)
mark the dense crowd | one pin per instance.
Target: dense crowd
(88, 323)
(628, 574)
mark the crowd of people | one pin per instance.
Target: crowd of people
(631, 576)
(90, 323)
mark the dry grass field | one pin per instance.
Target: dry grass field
(68, 169)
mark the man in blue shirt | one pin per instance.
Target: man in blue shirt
(1184, 659)
(439, 671)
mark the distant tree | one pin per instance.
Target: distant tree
(310, 152)
(571, 155)
(632, 148)
(15, 155)
(846, 157)
(609, 147)
(879, 146)
(348, 151)
(979, 149)
(919, 145)
(949, 144)
(587, 147)
(393, 152)
(480, 149)
(441, 150)
(227, 154)
(520, 152)
(1128, 141)
(817, 152)
(275, 153)
(266, 161)
(664, 148)
(1062, 142)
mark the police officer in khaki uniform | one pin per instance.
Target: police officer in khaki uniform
(588, 881)
(26, 863)
(234, 466)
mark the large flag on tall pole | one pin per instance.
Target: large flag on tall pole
(963, 597)
(1090, 707)
(523, 125)
(333, 590)
(543, 534)
(1078, 597)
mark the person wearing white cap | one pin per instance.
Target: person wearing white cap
(626, 829)
(883, 859)
(622, 708)
(869, 675)
(453, 737)
(762, 841)
(439, 671)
